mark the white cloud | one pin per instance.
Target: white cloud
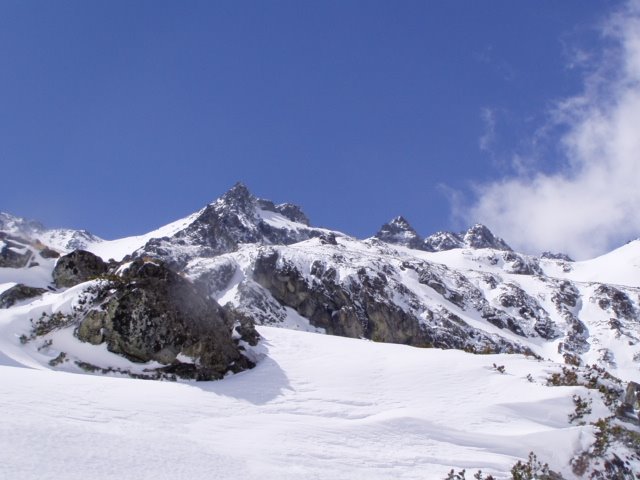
(592, 202)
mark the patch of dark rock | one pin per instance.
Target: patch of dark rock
(77, 267)
(610, 297)
(479, 236)
(46, 252)
(17, 293)
(361, 307)
(520, 265)
(10, 255)
(557, 256)
(154, 314)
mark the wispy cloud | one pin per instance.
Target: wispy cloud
(487, 138)
(592, 201)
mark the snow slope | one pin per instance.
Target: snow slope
(119, 248)
(317, 407)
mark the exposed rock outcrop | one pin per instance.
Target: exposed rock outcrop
(479, 236)
(14, 251)
(362, 306)
(399, 232)
(151, 313)
(17, 293)
(556, 256)
(77, 267)
(611, 298)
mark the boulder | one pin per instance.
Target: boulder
(77, 267)
(150, 313)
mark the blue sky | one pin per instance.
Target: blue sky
(120, 116)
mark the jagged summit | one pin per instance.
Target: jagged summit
(237, 217)
(399, 232)
(479, 236)
(240, 199)
(237, 197)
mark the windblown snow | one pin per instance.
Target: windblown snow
(316, 406)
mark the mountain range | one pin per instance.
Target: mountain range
(190, 300)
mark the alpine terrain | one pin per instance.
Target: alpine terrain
(395, 356)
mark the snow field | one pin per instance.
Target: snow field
(316, 407)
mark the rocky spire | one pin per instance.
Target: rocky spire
(399, 232)
(238, 198)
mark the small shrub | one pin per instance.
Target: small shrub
(532, 470)
(582, 408)
(568, 377)
(499, 368)
(461, 475)
(58, 360)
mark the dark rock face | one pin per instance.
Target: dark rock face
(399, 232)
(526, 307)
(520, 264)
(46, 252)
(152, 313)
(15, 252)
(77, 267)
(566, 299)
(18, 293)
(609, 297)
(362, 307)
(631, 402)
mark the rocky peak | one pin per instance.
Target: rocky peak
(238, 198)
(479, 236)
(441, 241)
(237, 217)
(399, 232)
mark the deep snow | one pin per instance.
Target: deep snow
(316, 406)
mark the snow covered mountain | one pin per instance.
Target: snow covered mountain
(182, 301)
(467, 291)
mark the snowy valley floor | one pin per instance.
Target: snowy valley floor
(316, 407)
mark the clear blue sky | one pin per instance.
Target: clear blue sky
(121, 116)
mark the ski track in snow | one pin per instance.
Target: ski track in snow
(316, 407)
